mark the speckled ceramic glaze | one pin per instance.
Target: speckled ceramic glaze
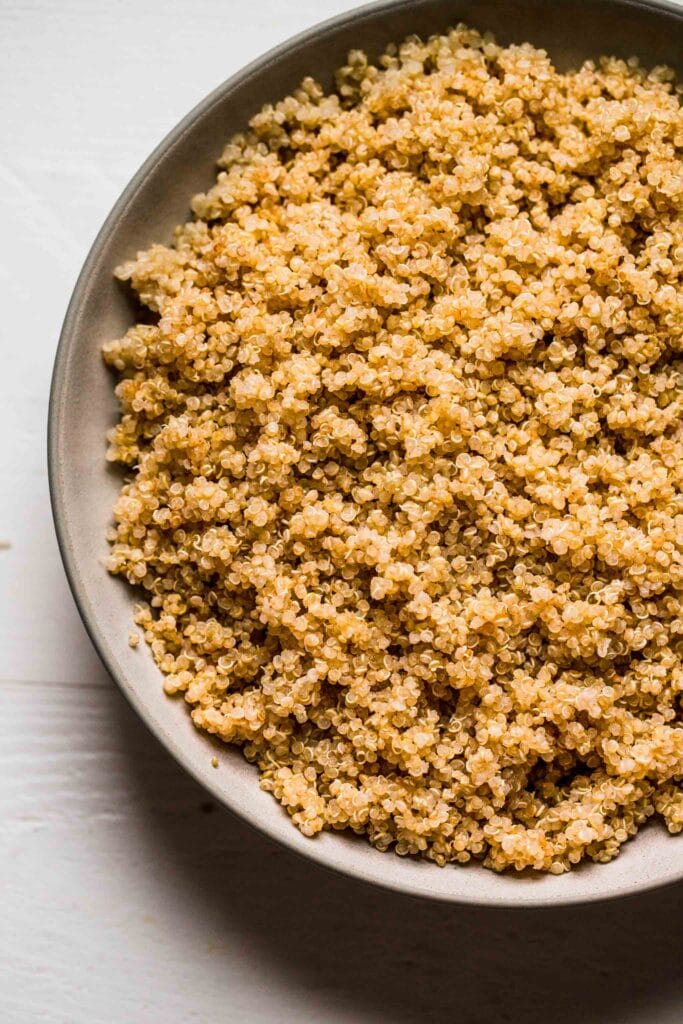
(82, 408)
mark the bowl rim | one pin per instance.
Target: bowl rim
(389, 881)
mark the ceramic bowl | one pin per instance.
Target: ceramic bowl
(82, 408)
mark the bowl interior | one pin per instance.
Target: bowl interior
(83, 407)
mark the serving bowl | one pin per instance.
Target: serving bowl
(82, 408)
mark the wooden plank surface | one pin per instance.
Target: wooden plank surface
(127, 896)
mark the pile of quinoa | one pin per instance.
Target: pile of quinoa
(404, 453)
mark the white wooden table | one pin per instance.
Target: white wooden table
(127, 896)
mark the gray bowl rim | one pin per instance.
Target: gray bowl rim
(384, 880)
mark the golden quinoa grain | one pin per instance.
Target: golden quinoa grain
(405, 453)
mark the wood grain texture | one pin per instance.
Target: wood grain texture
(127, 896)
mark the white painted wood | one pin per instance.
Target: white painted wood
(127, 897)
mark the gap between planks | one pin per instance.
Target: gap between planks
(71, 684)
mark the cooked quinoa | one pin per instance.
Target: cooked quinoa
(405, 453)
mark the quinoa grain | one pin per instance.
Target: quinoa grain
(405, 453)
